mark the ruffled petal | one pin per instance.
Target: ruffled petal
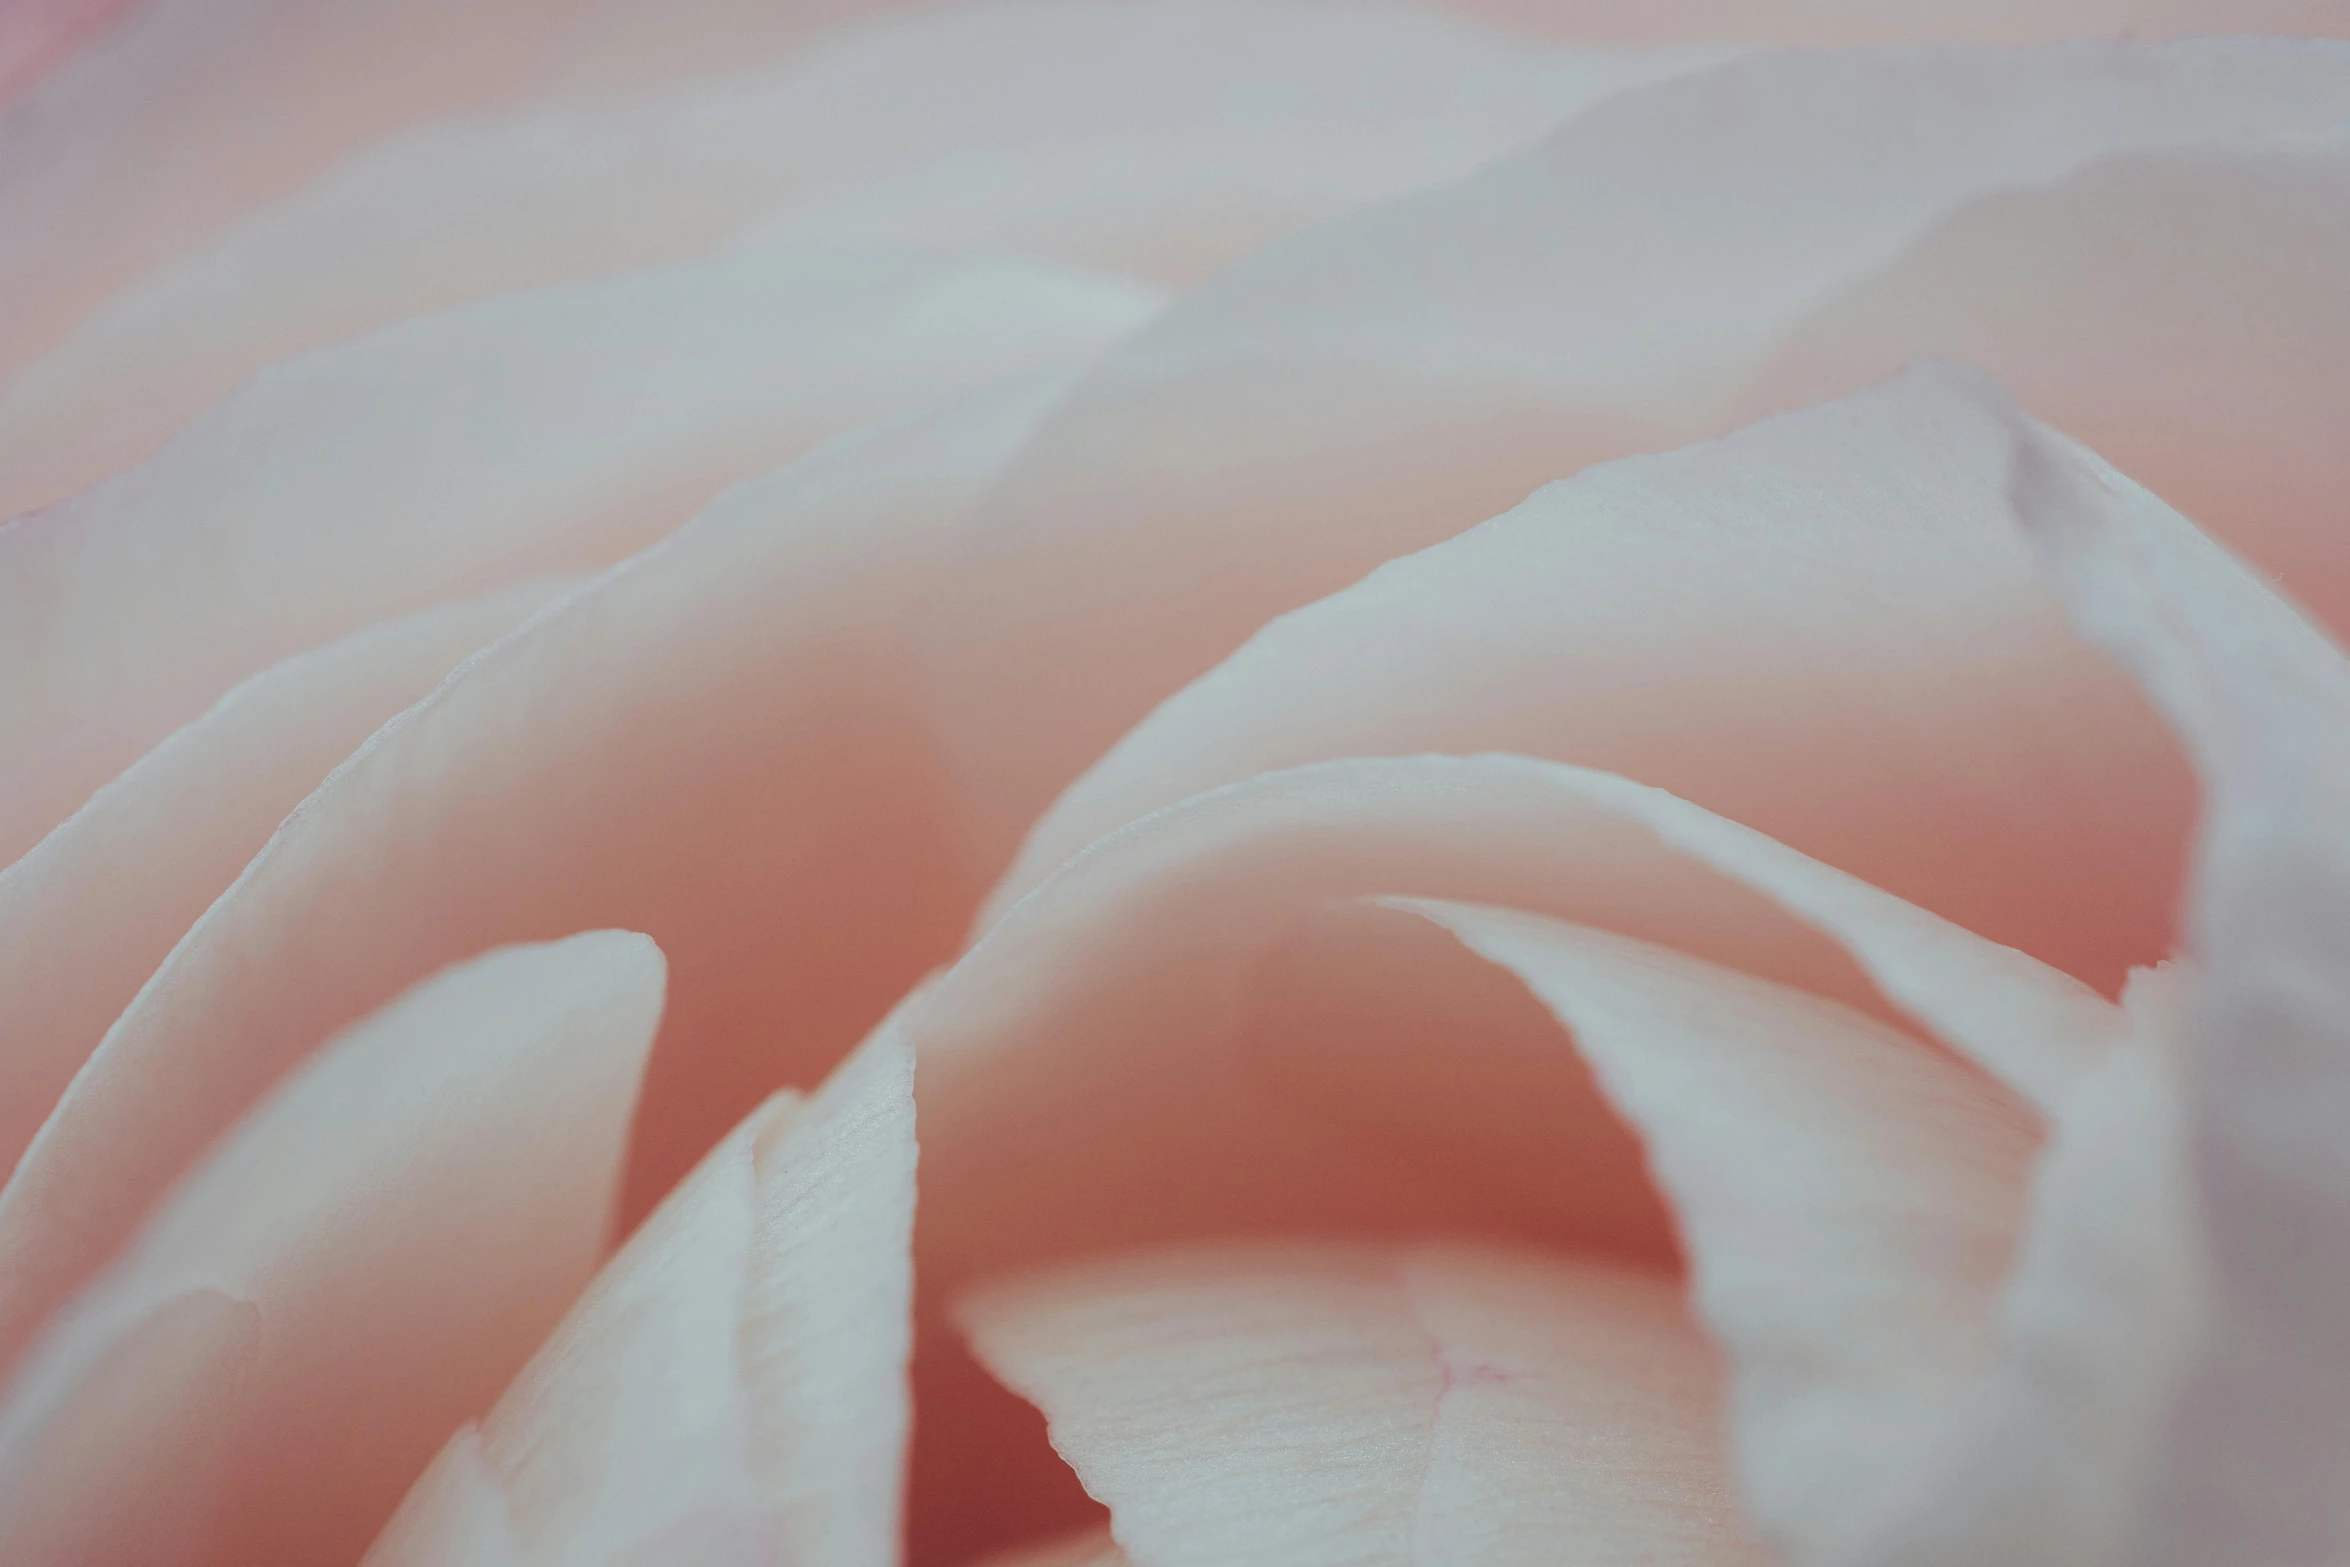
(1850, 1198)
(731, 1390)
(2179, 312)
(360, 1264)
(90, 912)
(717, 743)
(1164, 138)
(1208, 980)
(1824, 627)
(459, 453)
(1298, 1406)
(1390, 379)
(2247, 1469)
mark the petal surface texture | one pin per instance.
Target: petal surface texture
(731, 1391)
(1283, 1406)
(1394, 377)
(459, 453)
(358, 1266)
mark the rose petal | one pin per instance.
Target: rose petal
(1849, 1195)
(192, 113)
(717, 743)
(1093, 1548)
(1824, 627)
(2263, 701)
(1300, 1406)
(86, 917)
(1165, 137)
(1846, 22)
(732, 1388)
(1186, 985)
(455, 454)
(1395, 377)
(2142, 300)
(403, 1219)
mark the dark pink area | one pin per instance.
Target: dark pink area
(36, 34)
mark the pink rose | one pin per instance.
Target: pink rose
(1481, 687)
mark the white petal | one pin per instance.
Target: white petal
(731, 1390)
(404, 1219)
(1293, 1406)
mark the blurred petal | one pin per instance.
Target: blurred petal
(2141, 300)
(1166, 137)
(717, 743)
(1825, 627)
(403, 1219)
(459, 453)
(1298, 1405)
(1093, 1548)
(90, 912)
(189, 114)
(36, 34)
(2248, 1470)
(1205, 980)
(1392, 378)
(731, 1390)
(1816, 22)
(1850, 1197)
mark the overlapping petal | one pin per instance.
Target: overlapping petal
(99, 903)
(1299, 1406)
(1162, 137)
(717, 743)
(1396, 377)
(459, 453)
(361, 1263)
(731, 1391)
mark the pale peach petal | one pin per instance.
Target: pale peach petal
(457, 453)
(90, 912)
(731, 1390)
(166, 128)
(1205, 980)
(1824, 627)
(1850, 1197)
(2248, 1470)
(405, 1217)
(1399, 375)
(2180, 312)
(1294, 1405)
(1846, 22)
(717, 743)
(1093, 1548)
(1165, 137)
(2044, 1462)
(36, 34)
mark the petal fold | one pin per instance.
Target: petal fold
(359, 1265)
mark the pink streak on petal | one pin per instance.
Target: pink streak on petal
(407, 1215)
(90, 912)
(1298, 1405)
(731, 1389)
(35, 35)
